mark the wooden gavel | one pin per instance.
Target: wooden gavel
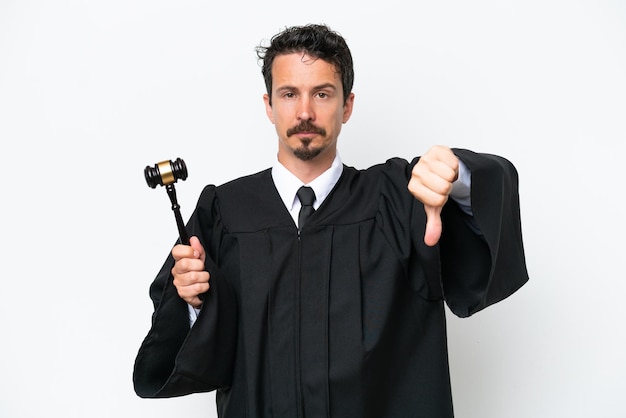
(166, 173)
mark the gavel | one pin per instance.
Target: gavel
(166, 173)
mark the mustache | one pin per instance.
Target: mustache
(306, 126)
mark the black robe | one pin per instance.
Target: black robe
(345, 320)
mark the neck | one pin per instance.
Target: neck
(307, 171)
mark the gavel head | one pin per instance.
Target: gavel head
(165, 172)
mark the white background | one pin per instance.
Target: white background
(93, 91)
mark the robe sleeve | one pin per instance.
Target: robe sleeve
(478, 270)
(479, 259)
(174, 359)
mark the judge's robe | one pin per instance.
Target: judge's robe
(345, 319)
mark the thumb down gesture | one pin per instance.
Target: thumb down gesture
(431, 183)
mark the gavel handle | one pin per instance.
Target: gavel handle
(182, 231)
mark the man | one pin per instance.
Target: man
(340, 314)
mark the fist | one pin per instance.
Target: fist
(431, 183)
(190, 277)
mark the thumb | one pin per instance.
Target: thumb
(433, 225)
(198, 249)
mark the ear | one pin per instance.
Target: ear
(347, 108)
(268, 107)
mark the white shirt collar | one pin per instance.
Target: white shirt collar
(288, 184)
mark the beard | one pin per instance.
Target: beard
(305, 152)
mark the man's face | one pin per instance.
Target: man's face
(307, 107)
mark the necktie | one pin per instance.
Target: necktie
(307, 197)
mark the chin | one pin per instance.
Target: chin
(307, 153)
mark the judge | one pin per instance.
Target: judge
(328, 300)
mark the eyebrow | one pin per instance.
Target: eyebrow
(319, 87)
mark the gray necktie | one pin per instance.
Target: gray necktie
(307, 197)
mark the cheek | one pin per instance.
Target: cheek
(280, 114)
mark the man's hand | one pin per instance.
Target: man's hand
(431, 183)
(190, 278)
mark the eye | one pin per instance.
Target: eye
(322, 95)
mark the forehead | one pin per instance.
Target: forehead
(301, 69)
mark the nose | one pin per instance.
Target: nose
(305, 109)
